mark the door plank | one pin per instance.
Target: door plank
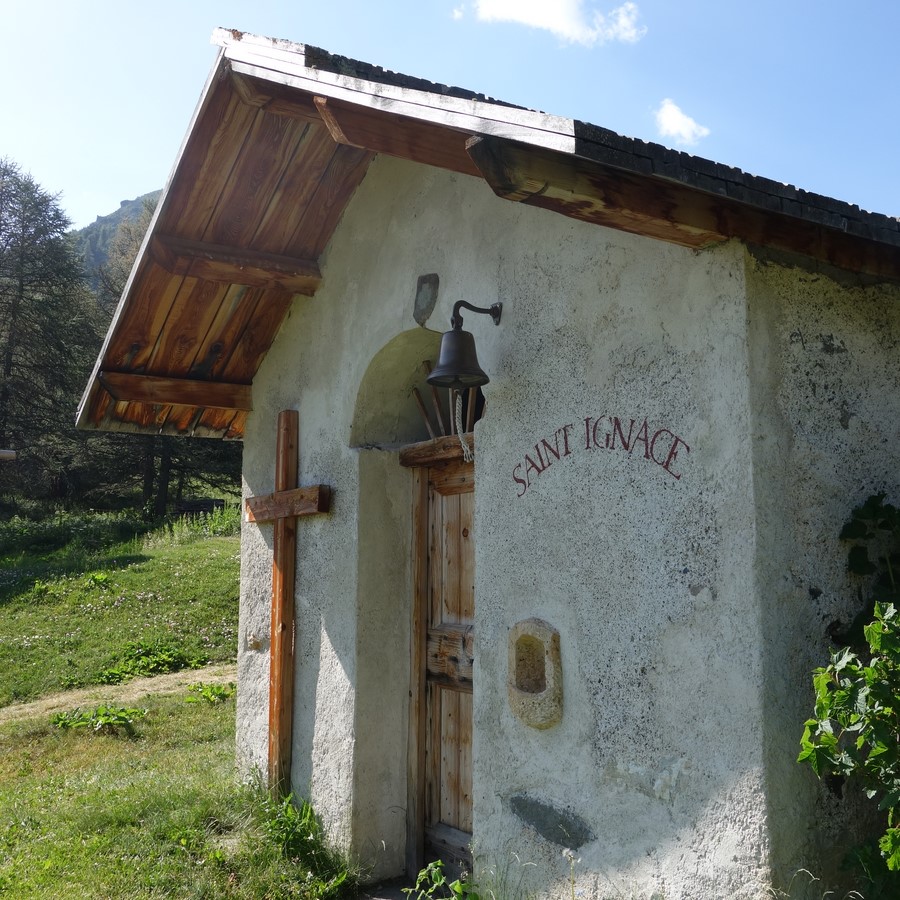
(434, 706)
(435, 557)
(466, 557)
(450, 562)
(449, 757)
(465, 762)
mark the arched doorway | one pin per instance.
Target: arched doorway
(398, 415)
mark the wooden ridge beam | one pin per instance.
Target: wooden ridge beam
(666, 210)
(162, 391)
(235, 265)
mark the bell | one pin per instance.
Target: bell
(457, 366)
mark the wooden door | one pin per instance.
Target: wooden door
(443, 641)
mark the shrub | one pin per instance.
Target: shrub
(855, 729)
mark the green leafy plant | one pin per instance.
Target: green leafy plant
(222, 522)
(432, 882)
(855, 729)
(142, 659)
(100, 720)
(295, 831)
(873, 533)
(210, 693)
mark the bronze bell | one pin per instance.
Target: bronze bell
(457, 366)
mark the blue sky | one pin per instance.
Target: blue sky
(97, 95)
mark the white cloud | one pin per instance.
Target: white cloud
(672, 122)
(459, 12)
(567, 19)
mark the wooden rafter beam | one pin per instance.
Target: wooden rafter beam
(583, 189)
(235, 265)
(155, 389)
(666, 210)
(274, 98)
(385, 132)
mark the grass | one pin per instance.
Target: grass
(78, 614)
(157, 813)
(131, 802)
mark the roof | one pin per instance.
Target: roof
(281, 138)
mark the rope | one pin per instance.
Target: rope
(467, 453)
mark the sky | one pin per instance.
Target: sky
(97, 95)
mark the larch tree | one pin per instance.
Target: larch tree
(48, 334)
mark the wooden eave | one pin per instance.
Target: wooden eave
(282, 137)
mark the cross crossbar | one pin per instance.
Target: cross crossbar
(302, 501)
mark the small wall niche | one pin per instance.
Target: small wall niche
(534, 682)
(531, 666)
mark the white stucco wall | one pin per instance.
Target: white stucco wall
(647, 560)
(647, 576)
(826, 430)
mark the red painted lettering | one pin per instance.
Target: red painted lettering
(519, 480)
(673, 455)
(550, 448)
(617, 430)
(594, 433)
(663, 448)
(653, 441)
(532, 466)
(565, 431)
(642, 437)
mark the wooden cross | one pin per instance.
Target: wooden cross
(283, 506)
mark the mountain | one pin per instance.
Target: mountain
(94, 240)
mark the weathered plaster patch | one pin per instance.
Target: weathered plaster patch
(427, 288)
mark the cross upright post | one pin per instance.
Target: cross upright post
(283, 507)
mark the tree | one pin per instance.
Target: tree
(51, 328)
(48, 334)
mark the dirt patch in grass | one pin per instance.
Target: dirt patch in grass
(129, 692)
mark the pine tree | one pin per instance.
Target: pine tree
(48, 335)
